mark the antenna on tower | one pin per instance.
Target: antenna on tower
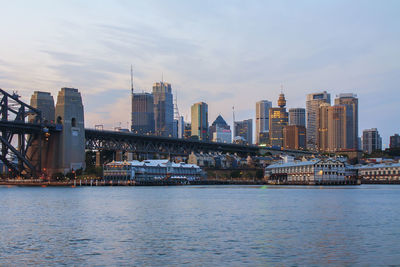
(131, 79)
(162, 77)
(281, 88)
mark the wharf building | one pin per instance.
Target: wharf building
(350, 101)
(262, 120)
(151, 170)
(380, 172)
(312, 108)
(163, 109)
(318, 171)
(297, 116)
(244, 130)
(294, 137)
(142, 113)
(394, 141)
(220, 131)
(371, 140)
(199, 112)
(278, 119)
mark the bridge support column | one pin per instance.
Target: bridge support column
(70, 148)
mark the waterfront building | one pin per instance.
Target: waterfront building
(262, 119)
(278, 119)
(142, 113)
(395, 141)
(163, 109)
(371, 140)
(151, 170)
(297, 116)
(380, 172)
(294, 137)
(312, 106)
(199, 112)
(244, 129)
(351, 103)
(317, 171)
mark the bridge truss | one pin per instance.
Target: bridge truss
(129, 142)
(20, 140)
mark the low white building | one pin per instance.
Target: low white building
(380, 172)
(317, 171)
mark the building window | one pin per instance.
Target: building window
(73, 122)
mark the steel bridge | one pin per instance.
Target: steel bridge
(129, 142)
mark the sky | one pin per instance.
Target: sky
(225, 53)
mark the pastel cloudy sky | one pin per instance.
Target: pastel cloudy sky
(222, 52)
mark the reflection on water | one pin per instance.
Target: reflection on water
(200, 225)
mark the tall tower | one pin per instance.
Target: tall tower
(163, 109)
(199, 112)
(351, 103)
(371, 140)
(262, 118)
(70, 151)
(312, 105)
(278, 119)
(244, 129)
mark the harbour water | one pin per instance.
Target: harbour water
(200, 225)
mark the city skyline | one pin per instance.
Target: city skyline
(229, 54)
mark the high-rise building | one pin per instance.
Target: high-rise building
(371, 140)
(221, 124)
(222, 135)
(142, 113)
(244, 129)
(312, 105)
(262, 119)
(163, 109)
(200, 120)
(187, 132)
(337, 128)
(278, 119)
(322, 122)
(394, 141)
(181, 127)
(294, 137)
(297, 116)
(351, 103)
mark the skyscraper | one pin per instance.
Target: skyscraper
(297, 116)
(337, 130)
(294, 137)
(262, 118)
(142, 113)
(278, 119)
(371, 140)
(394, 141)
(200, 120)
(219, 131)
(351, 103)
(312, 105)
(322, 122)
(244, 129)
(163, 109)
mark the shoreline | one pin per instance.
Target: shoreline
(86, 183)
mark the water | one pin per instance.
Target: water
(200, 225)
